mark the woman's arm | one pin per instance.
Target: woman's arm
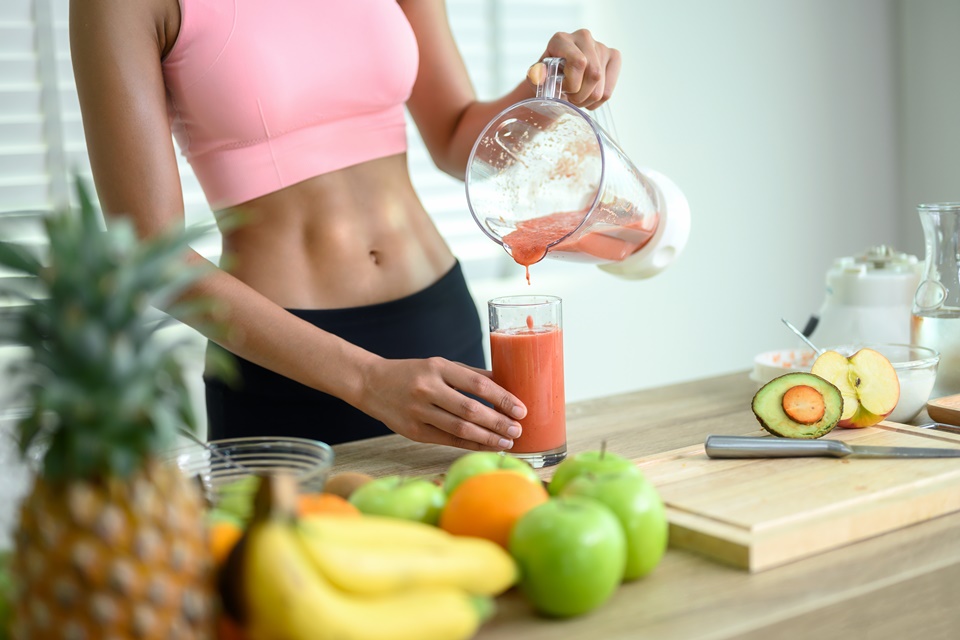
(117, 47)
(444, 105)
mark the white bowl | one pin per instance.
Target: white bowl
(772, 364)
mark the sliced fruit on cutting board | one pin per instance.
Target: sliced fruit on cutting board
(763, 512)
(798, 405)
(867, 381)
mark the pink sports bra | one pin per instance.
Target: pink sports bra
(262, 95)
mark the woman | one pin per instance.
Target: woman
(347, 312)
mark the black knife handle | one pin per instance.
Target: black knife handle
(751, 447)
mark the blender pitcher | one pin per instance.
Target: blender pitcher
(546, 179)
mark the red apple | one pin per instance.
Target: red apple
(866, 380)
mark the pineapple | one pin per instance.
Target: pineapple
(111, 540)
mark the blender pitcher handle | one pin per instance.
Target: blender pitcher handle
(551, 84)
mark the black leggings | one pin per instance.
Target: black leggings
(441, 320)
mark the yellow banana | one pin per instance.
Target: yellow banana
(373, 529)
(366, 564)
(284, 598)
(271, 586)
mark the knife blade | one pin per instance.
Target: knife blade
(764, 447)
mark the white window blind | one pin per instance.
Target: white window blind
(42, 143)
(37, 96)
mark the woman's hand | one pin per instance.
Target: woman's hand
(426, 401)
(590, 69)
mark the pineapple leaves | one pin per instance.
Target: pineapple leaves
(106, 390)
(19, 259)
(30, 429)
(88, 211)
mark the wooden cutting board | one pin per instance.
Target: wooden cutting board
(762, 513)
(945, 409)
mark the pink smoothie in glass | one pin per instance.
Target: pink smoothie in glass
(528, 362)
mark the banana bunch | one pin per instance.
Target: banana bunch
(377, 555)
(364, 578)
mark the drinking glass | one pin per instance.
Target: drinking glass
(526, 354)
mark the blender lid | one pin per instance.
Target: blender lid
(879, 258)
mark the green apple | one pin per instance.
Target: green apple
(635, 502)
(417, 499)
(571, 553)
(588, 462)
(236, 497)
(221, 515)
(478, 462)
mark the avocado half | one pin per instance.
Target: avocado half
(768, 406)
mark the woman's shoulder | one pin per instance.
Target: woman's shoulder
(124, 24)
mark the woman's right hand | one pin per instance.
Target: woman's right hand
(426, 401)
(590, 69)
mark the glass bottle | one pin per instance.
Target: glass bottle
(935, 320)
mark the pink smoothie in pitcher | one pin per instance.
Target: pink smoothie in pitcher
(528, 362)
(529, 242)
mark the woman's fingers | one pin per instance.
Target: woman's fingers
(439, 401)
(429, 434)
(583, 71)
(590, 68)
(443, 427)
(467, 416)
(611, 75)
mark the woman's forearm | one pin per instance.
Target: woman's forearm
(255, 328)
(471, 123)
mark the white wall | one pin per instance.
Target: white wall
(929, 101)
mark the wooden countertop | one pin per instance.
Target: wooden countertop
(905, 584)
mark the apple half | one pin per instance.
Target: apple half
(866, 380)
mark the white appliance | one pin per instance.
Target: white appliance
(869, 299)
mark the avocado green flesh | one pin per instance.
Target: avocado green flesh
(768, 406)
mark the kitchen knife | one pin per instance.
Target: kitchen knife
(937, 426)
(763, 447)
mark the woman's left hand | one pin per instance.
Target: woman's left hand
(590, 69)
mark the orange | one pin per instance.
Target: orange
(326, 503)
(224, 535)
(487, 505)
(227, 629)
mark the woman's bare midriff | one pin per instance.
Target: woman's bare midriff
(350, 238)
